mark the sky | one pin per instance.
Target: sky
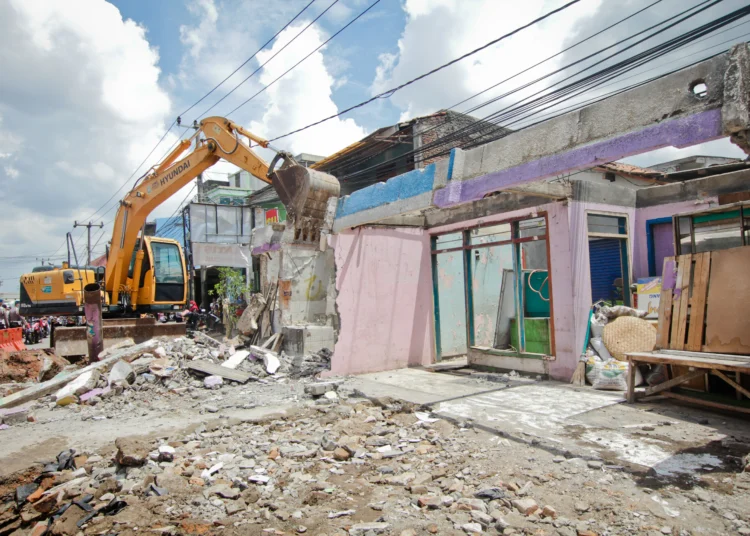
(88, 87)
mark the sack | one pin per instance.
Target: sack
(610, 375)
(592, 361)
(601, 349)
(616, 311)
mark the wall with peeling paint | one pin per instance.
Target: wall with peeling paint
(311, 273)
(384, 285)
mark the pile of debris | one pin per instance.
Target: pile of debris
(28, 366)
(158, 366)
(355, 466)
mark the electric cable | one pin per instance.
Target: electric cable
(390, 92)
(175, 122)
(668, 47)
(567, 66)
(310, 54)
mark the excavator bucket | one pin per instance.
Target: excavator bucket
(305, 193)
(69, 342)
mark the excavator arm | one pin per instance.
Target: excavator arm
(304, 192)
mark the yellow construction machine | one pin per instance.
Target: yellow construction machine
(147, 274)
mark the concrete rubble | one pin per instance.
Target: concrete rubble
(358, 466)
(339, 462)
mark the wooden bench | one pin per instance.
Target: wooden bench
(697, 364)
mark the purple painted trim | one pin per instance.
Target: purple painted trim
(669, 276)
(683, 132)
(266, 248)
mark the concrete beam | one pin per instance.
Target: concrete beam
(405, 220)
(604, 193)
(497, 204)
(402, 194)
(665, 112)
(728, 183)
(736, 109)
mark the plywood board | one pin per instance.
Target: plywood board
(698, 302)
(680, 300)
(728, 308)
(665, 304)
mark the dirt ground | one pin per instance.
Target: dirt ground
(403, 453)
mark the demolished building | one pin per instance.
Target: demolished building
(412, 253)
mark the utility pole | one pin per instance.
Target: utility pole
(88, 226)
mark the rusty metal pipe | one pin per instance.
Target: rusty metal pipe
(92, 308)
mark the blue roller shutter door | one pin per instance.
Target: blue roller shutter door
(606, 266)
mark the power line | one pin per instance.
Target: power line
(250, 58)
(265, 62)
(311, 53)
(494, 118)
(559, 53)
(190, 108)
(355, 161)
(467, 130)
(390, 92)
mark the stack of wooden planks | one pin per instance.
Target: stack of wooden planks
(682, 306)
(704, 306)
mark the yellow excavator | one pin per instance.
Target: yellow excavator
(147, 274)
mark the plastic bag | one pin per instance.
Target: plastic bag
(597, 325)
(621, 310)
(600, 349)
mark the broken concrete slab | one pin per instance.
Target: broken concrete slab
(131, 452)
(66, 377)
(248, 322)
(235, 359)
(13, 416)
(82, 384)
(321, 388)
(206, 367)
(270, 358)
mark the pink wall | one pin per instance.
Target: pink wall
(642, 215)
(566, 357)
(384, 284)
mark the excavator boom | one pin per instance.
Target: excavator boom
(147, 274)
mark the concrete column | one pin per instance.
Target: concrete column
(204, 287)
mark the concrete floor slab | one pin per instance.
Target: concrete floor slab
(663, 439)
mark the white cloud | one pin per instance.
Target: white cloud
(302, 97)
(194, 37)
(217, 43)
(438, 31)
(81, 106)
(722, 147)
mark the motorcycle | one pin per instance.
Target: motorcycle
(44, 327)
(200, 319)
(32, 333)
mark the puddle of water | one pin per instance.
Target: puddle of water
(648, 453)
